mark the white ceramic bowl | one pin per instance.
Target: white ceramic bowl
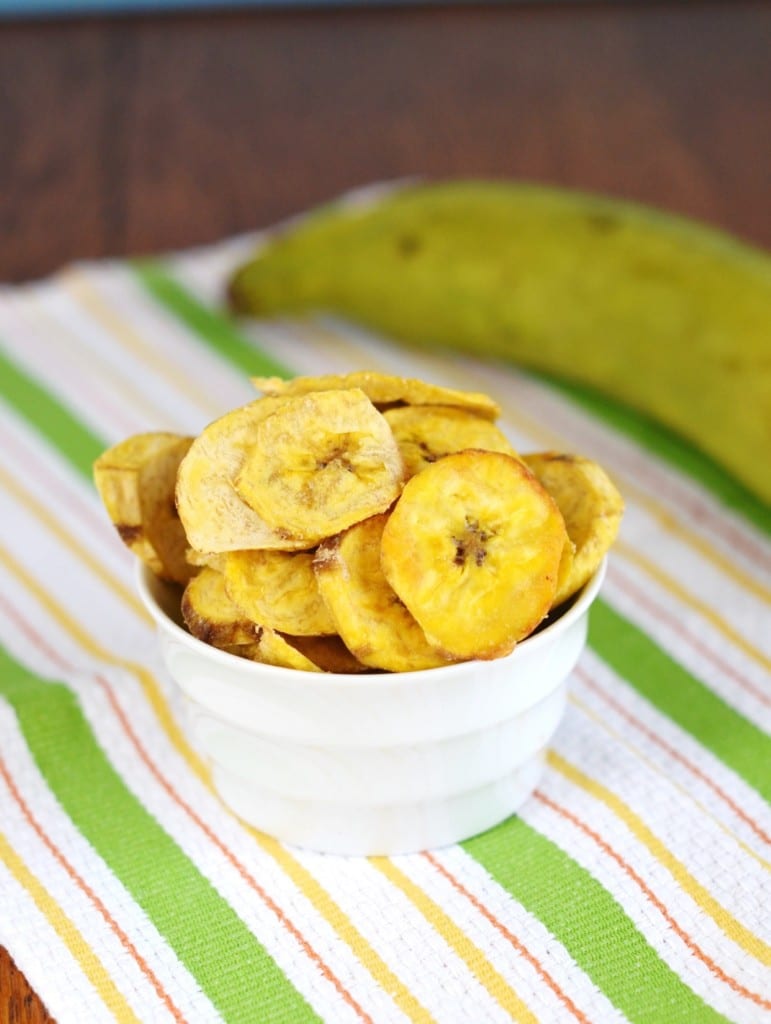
(373, 764)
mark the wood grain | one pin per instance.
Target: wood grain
(18, 1003)
(133, 135)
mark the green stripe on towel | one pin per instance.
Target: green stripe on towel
(49, 417)
(215, 329)
(589, 923)
(732, 738)
(200, 925)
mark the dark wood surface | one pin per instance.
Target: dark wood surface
(18, 1003)
(133, 135)
(128, 135)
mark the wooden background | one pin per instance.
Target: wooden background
(134, 135)
(130, 135)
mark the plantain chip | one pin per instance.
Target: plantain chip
(210, 614)
(360, 523)
(199, 559)
(591, 507)
(307, 653)
(383, 390)
(426, 433)
(279, 590)
(136, 481)
(473, 548)
(329, 653)
(321, 462)
(372, 621)
(567, 560)
(273, 649)
(215, 517)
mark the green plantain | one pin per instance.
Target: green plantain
(671, 317)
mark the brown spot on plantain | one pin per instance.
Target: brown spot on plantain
(603, 223)
(472, 544)
(129, 534)
(408, 245)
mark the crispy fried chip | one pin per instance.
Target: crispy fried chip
(590, 505)
(210, 614)
(136, 481)
(321, 462)
(329, 653)
(274, 649)
(426, 433)
(307, 653)
(215, 517)
(199, 559)
(279, 590)
(371, 619)
(360, 522)
(565, 570)
(473, 548)
(383, 390)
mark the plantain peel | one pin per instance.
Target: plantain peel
(136, 480)
(668, 316)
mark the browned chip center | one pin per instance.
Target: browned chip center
(338, 458)
(428, 453)
(471, 545)
(339, 455)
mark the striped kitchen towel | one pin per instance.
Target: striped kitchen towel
(634, 885)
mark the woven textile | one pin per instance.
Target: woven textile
(633, 886)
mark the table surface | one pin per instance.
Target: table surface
(135, 135)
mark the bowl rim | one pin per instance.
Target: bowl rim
(145, 578)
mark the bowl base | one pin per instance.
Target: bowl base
(358, 830)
